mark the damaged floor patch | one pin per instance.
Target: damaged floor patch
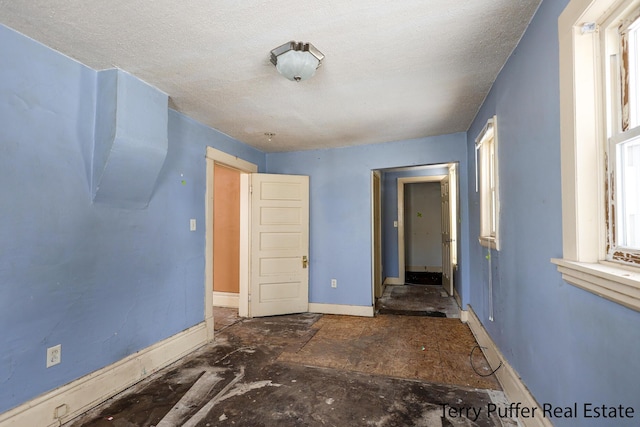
(248, 377)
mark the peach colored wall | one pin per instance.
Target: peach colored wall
(226, 229)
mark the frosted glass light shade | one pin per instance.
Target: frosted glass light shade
(297, 65)
(296, 60)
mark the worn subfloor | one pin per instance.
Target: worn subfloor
(315, 370)
(417, 300)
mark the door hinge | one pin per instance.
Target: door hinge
(251, 189)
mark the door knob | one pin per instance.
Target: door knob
(305, 261)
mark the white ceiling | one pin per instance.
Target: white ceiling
(393, 70)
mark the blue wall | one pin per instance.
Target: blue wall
(340, 207)
(567, 344)
(102, 281)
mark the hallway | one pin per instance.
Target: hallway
(316, 370)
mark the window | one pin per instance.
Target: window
(620, 41)
(487, 184)
(600, 147)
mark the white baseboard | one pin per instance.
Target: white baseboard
(349, 310)
(393, 281)
(464, 316)
(67, 402)
(511, 383)
(226, 299)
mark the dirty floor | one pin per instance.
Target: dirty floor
(316, 370)
(417, 300)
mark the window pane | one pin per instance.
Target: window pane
(628, 194)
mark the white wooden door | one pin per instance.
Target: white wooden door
(447, 266)
(279, 279)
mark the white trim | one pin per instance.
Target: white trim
(581, 131)
(512, 385)
(232, 161)
(79, 396)
(214, 156)
(393, 281)
(208, 257)
(245, 244)
(607, 280)
(226, 299)
(401, 183)
(376, 228)
(349, 310)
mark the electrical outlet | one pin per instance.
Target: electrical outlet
(192, 225)
(334, 283)
(54, 355)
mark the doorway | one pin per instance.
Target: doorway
(257, 243)
(217, 287)
(226, 236)
(419, 222)
(419, 225)
(423, 228)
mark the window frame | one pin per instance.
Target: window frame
(488, 184)
(619, 131)
(453, 205)
(584, 126)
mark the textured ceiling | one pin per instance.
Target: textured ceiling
(393, 70)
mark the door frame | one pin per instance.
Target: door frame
(446, 230)
(400, 219)
(212, 157)
(376, 236)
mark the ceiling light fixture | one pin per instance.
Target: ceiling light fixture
(296, 60)
(269, 135)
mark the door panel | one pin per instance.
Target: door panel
(279, 215)
(283, 241)
(279, 244)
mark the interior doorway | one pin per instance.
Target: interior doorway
(222, 288)
(419, 225)
(423, 228)
(257, 233)
(226, 236)
(419, 222)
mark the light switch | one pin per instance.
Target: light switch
(192, 224)
(395, 224)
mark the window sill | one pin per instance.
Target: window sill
(617, 284)
(488, 242)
